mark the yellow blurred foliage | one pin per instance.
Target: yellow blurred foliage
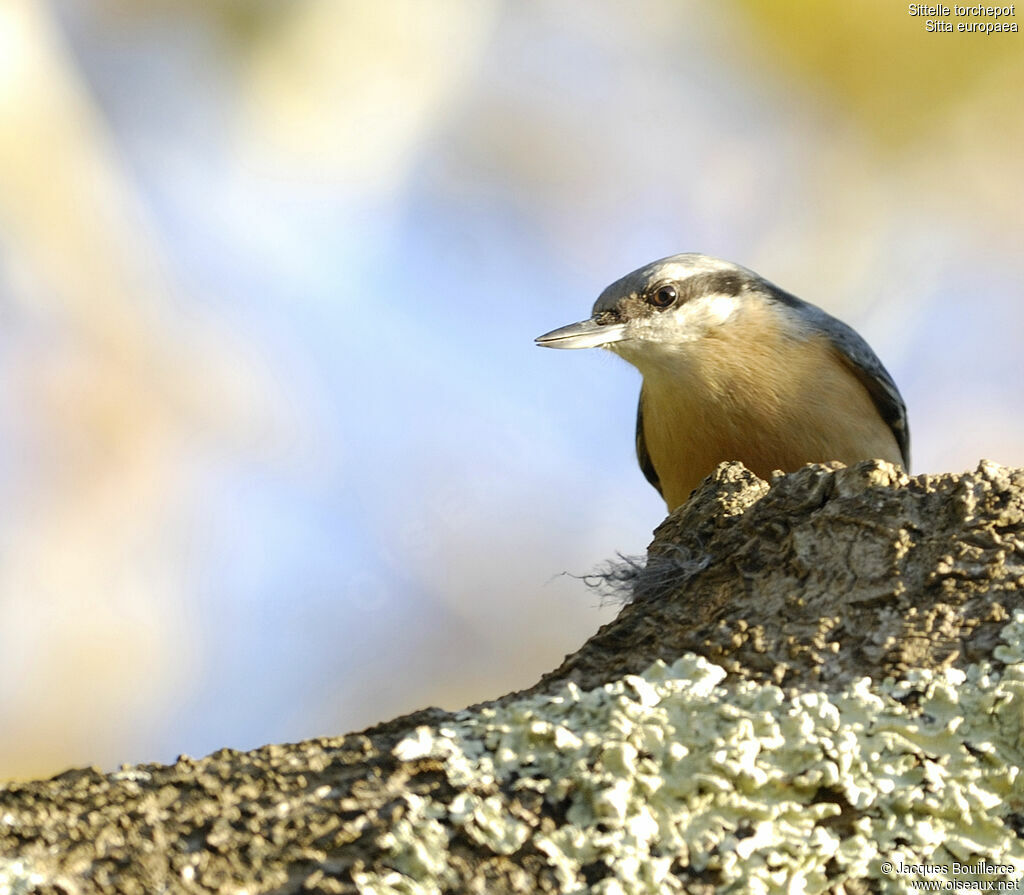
(881, 63)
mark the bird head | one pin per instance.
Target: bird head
(664, 306)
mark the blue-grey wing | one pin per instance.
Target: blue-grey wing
(864, 363)
(853, 351)
(650, 473)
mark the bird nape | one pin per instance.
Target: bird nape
(735, 368)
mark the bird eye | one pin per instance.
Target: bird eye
(663, 296)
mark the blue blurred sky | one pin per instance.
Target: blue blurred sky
(279, 456)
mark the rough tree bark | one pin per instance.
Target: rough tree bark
(818, 685)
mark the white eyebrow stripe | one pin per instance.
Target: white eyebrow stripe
(693, 266)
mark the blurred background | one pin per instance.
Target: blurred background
(278, 456)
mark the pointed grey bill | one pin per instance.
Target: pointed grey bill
(585, 334)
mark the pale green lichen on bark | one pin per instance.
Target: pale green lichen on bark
(18, 878)
(764, 791)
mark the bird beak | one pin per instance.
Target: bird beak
(585, 334)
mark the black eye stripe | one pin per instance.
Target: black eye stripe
(718, 283)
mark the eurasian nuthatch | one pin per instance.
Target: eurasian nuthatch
(734, 368)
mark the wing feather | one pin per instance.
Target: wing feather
(857, 355)
(650, 473)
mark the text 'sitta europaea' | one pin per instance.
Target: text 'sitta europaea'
(734, 368)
